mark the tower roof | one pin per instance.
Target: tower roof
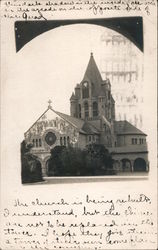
(93, 75)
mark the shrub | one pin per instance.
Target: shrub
(94, 160)
(31, 168)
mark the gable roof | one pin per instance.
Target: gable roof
(126, 128)
(81, 125)
(76, 122)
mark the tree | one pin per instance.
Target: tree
(55, 165)
(31, 167)
(101, 159)
(69, 161)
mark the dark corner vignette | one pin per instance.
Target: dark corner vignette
(130, 27)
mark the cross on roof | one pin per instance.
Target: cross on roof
(49, 102)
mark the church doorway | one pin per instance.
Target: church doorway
(50, 168)
(36, 170)
(126, 165)
(139, 165)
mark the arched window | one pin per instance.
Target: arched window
(64, 141)
(61, 141)
(140, 165)
(79, 110)
(126, 165)
(108, 95)
(68, 140)
(85, 90)
(40, 143)
(86, 109)
(95, 109)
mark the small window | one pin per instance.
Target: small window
(135, 140)
(108, 95)
(61, 141)
(86, 109)
(90, 138)
(36, 143)
(79, 110)
(64, 141)
(68, 140)
(85, 90)
(33, 142)
(95, 109)
(40, 143)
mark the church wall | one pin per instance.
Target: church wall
(125, 140)
(73, 109)
(130, 158)
(82, 142)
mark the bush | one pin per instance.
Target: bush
(94, 160)
(31, 168)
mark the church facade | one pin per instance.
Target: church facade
(91, 120)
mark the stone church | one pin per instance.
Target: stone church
(91, 120)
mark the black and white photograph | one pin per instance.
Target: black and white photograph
(92, 124)
(78, 125)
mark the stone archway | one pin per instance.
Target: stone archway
(126, 165)
(117, 166)
(36, 170)
(45, 165)
(139, 165)
(50, 168)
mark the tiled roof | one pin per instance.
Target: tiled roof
(78, 123)
(89, 128)
(126, 128)
(83, 127)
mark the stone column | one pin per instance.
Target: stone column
(82, 111)
(90, 109)
(132, 163)
(44, 170)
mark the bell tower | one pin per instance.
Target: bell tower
(92, 97)
(92, 101)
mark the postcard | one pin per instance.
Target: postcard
(79, 124)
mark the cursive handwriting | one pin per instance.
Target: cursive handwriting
(91, 222)
(44, 10)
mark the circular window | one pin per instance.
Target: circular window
(50, 138)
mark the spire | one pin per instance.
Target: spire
(93, 75)
(92, 71)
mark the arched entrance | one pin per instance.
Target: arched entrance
(126, 165)
(51, 169)
(117, 166)
(36, 170)
(139, 165)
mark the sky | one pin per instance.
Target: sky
(50, 66)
